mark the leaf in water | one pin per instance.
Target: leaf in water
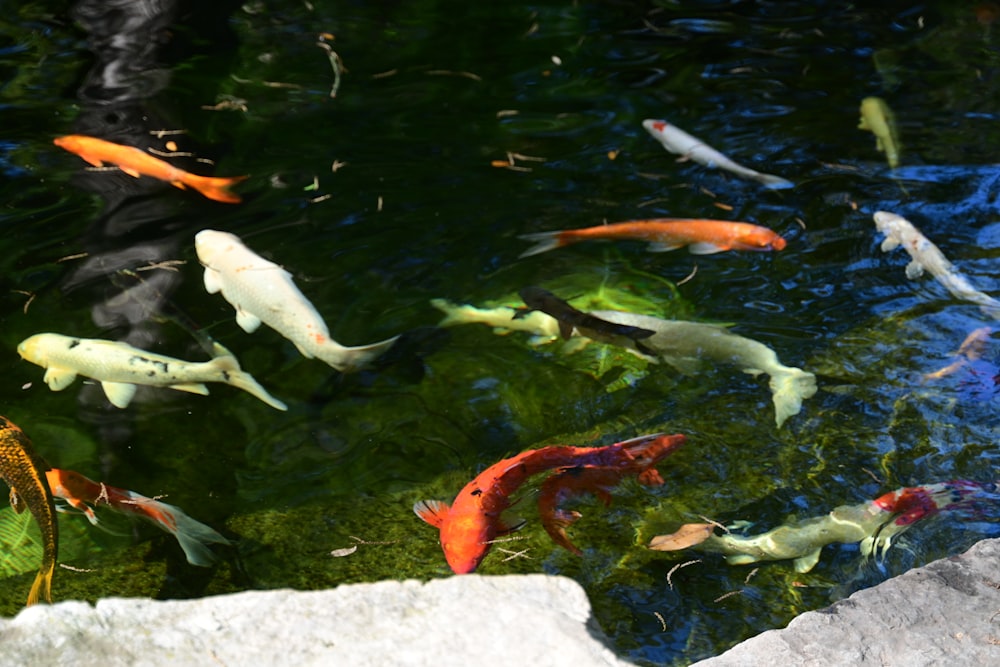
(346, 551)
(686, 536)
(21, 548)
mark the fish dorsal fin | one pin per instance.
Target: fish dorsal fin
(119, 393)
(807, 562)
(433, 512)
(705, 248)
(59, 378)
(213, 281)
(660, 246)
(247, 321)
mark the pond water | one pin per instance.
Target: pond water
(456, 127)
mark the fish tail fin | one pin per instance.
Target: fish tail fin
(789, 387)
(453, 313)
(41, 589)
(233, 375)
(555, 524)
(350, 359)
(193, 536)
(215, 188)
(773, 182)
(544, 241)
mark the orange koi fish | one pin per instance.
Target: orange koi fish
(469, 526)
(702, 237)
(136, 162)
(80, 492)
(24, 472)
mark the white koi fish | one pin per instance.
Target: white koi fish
(119, 367)
(680, 142)
(262, 291)
(684, 344)
(877, 118)
(681, 344)
(926, 256)
(873, 525)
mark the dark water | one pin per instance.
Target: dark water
(432, 94)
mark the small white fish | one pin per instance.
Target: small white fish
(262, 291)
(877, 118)
(680, 142)
(926, 256)
(119, 367)
(544, 328)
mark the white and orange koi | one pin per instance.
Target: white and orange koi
(680, 142)
(262, 291)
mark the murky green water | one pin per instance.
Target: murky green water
(433, 93)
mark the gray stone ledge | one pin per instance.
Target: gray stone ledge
(946, 613)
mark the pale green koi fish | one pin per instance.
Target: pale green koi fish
(119, 368)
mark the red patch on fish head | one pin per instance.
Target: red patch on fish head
(659, 125)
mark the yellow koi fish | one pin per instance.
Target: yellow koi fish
(877, 118)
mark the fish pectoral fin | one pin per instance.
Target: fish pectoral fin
(565, 330)
(119, 393)
(660, 246)
(59, 378)
(433, 512)
(213, 281)
(131, 172)
(914, 270)
(247, 321)
(705, 248)
(191, 387)
(509, 525)
(807, 562)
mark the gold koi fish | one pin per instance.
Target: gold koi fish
(24, 472)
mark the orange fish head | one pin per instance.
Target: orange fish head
(466, 541)
(69, 142)
(761, 239)
(777, 243)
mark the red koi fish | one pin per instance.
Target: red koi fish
(80, 492)
(702, 237)
(469, 526)
(637, 456)
(136, 162)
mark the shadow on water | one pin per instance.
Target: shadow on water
(454, 129)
